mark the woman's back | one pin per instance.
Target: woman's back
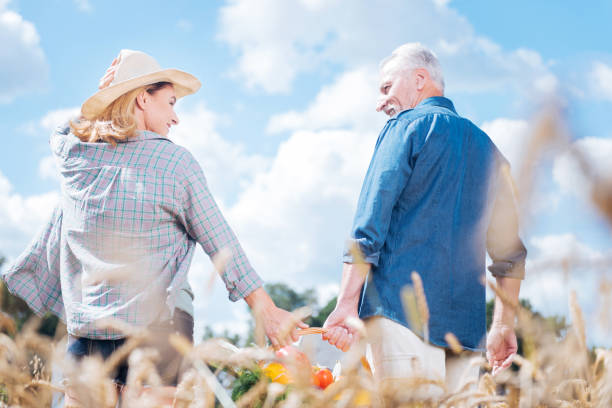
(122, 240)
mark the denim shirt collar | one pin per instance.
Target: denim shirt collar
(431, 102)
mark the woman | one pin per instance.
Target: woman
(133, 206)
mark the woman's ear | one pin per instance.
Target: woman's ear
(142, 99)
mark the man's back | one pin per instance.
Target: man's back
(440, 171)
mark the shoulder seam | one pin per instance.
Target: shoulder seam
(426, 114)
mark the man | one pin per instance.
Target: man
(436, 194)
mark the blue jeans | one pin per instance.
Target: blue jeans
(171, 360)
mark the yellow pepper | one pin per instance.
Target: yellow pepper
(276, 372)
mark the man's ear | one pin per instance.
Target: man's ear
(421, 77)
(141, 100)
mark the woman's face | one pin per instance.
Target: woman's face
(158, 110)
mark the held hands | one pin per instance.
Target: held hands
(279, 325)
(501, 347)
(338, 333)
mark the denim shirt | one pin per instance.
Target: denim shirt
(436, 195)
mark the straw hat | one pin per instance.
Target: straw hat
(135, 69)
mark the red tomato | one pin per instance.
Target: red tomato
(324, 377)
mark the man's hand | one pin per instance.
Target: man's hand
(279, 325)
(338, 333)
(501, 341)
(501, 347)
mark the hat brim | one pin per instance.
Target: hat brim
(184, 84)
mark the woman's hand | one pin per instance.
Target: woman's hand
(279, 325)
(109, 75)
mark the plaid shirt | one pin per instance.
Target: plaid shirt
(124, 235)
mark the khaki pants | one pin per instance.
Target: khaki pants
(401, 360)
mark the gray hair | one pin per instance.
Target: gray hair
(411, 56)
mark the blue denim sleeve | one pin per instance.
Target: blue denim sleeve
(386, 178)
(503, 242)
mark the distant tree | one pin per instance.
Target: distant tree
(235, 338)
(318, 319)
(288, 299)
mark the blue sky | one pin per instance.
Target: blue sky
(284, 124)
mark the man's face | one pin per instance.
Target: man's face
(398, 90)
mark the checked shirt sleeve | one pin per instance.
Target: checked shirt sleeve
(35, 274)
(205, 223)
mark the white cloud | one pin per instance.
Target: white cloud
(554, 251)
(601, 80)
(294, 210)
(349, 101)
(211, 304)
(48, 169)
(441, 3)
(511, 138)
(568, 171)
(238, 323)
(21, 216)
(294, 218)
(546, 84)
(277, 40)
(326, 292)
(43, 127)
(227, 166)
(84, 5)
(57, 118)
(185, 25)
(23, 67)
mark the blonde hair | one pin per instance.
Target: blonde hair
(117, 122)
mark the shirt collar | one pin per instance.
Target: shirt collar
(146, 135)
(440, 101)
